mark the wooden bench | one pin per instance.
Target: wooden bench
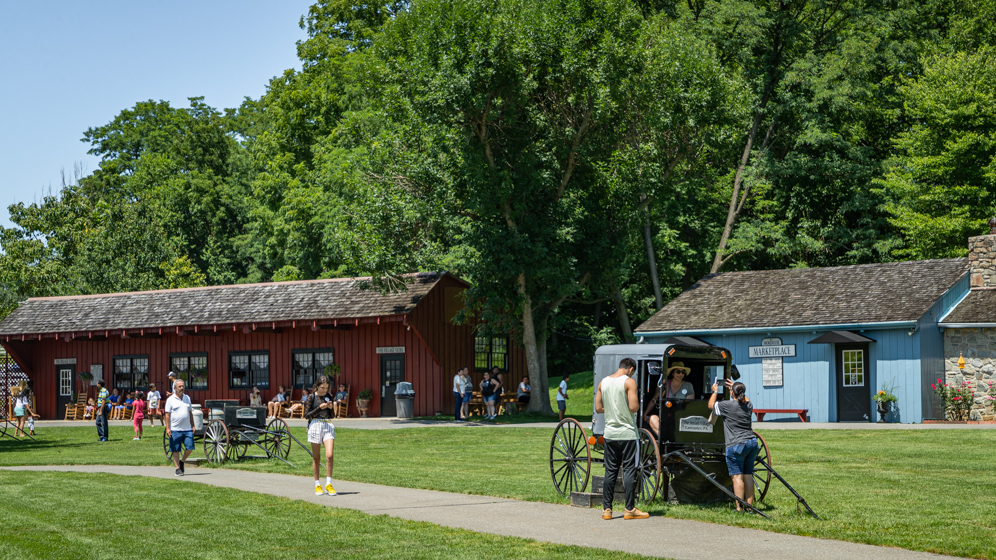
(802, 412)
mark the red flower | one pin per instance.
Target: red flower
(957, 398)
(932, 386)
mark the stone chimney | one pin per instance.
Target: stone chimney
(982, 258)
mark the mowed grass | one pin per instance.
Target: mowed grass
(109, 516)
(917, 489)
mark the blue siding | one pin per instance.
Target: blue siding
(932, 360)
(809, 377)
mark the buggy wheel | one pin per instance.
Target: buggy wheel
(240, 444)
(570, 458)
(3, 425)
(215, 441)
(649, 467)
(278, 441)
(169, 457)
(762, 475)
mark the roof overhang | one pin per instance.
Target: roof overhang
(967, 325)
(785, 328)
(686, 341)
(839, 337)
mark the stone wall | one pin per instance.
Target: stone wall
(982, 261)
(978, 346)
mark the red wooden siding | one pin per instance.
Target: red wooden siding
(453, 345)
(429, 365)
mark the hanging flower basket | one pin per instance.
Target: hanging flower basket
(86, 376)
(332, 371)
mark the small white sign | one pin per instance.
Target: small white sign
(65, 361)
(98, 374)
(391, 350)
(771, 372)
(696, 424)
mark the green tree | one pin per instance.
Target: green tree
(941, 185)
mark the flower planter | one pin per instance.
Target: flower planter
(363, 405)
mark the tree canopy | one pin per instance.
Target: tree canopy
(579, 162)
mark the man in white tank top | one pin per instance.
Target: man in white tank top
(616, 397)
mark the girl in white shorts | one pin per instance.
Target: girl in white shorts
(321, 432)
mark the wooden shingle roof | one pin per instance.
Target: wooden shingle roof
(237, 304)
(870, 293)
(978, 307)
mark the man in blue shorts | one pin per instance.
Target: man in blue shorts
(179, 425)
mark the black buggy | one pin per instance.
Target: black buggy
(237, 432)
(686, 461)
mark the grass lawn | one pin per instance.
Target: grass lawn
(921, 490)
(75, 515)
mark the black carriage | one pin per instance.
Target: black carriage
(239, 432)
(685, 462)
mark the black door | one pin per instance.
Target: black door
(65, 376)
(392, 372)
(853, 383)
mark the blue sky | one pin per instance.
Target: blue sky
(69, 65)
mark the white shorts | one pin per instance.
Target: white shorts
(320, 430)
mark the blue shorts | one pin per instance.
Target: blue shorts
(561, 405)
(740, 457)
(18, 411)
(179, 439)
(466, 397)
(491, 398)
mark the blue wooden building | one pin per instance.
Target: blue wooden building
(826, 339)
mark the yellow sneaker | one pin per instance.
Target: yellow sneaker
(635, 514)
(329, 490)
(318, 491)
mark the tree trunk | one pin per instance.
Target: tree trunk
(623, 314)
(652, 259)
(598, 313)
(539, 401)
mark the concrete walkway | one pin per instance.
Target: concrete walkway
(657, 536)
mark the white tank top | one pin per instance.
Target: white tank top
(620, 423)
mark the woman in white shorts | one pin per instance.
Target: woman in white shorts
(321, 432)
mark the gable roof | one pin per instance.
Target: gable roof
(859, 294)
(215, 305)
(978, 308)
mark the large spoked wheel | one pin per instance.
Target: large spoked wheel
(570, 458)
(277, 442)
(649, 467)
(169, 457)
(762, 475)
(216, 442)
(240, 444)
(3, 425)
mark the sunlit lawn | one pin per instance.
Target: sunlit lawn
(922, 490)
(76, 515)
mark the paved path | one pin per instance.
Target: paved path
(394, 423)
(657, 536)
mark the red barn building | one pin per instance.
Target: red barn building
(224, 340)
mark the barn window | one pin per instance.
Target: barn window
(309, 364)
(490, 352)
(249, 369)
(131, 373)
(191, 368)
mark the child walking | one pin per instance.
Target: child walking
(138, 415)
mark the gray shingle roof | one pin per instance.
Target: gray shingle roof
(247, 303)
(870, 293)
(979, 306)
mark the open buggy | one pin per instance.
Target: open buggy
(240, 432)
(685, 462)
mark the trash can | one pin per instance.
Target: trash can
(404, 399)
